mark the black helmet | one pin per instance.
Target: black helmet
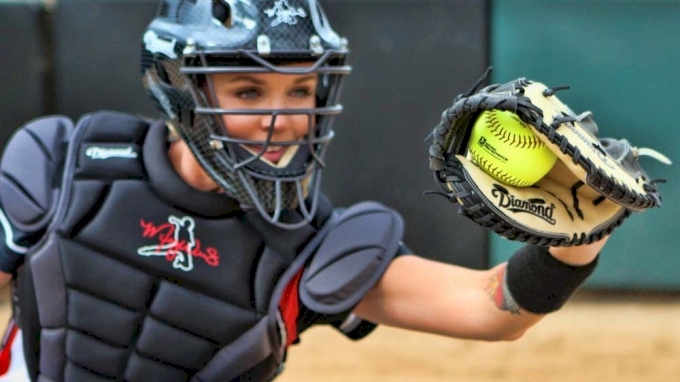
(190, 39)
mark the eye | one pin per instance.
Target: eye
(302, 92)
(248, 94)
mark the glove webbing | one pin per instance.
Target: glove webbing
(597, 177)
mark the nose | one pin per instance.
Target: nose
(276, 121)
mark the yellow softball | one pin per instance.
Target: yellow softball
(507, 149)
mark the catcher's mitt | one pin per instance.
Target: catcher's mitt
(595, 184)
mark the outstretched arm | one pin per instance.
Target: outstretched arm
(429, 296)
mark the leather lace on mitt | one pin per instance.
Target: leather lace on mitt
(595, 184)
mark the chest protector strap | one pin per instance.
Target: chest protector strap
(216, 370)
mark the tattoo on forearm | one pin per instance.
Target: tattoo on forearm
(500, 294)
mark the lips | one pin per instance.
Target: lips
(272, 154)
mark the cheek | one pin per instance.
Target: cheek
(301, 125)
(241, 126)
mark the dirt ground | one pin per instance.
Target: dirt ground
(594, 338)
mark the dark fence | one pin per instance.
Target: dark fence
(410, 59)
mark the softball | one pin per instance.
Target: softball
(506, 148)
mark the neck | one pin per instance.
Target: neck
(188, 168)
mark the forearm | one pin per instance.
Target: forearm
(428, 296)
(425, 295)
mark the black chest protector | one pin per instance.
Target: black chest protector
(141, 278)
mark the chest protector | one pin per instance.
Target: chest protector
(126, 285)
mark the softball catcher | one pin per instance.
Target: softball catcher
(198, 247)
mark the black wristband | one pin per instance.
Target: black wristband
(540, 283)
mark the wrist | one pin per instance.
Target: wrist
(578, 255)
(541, 283)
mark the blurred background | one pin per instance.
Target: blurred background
(410, 57)
(621, 59)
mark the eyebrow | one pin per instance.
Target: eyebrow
(257, 81)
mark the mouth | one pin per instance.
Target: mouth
(272, 154)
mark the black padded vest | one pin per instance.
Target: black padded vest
(141, 278)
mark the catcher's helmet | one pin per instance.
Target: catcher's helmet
(190, 39)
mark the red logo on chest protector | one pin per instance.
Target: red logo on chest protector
(176, 242)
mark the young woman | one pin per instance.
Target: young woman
(199, 247)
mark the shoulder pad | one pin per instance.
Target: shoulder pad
(352, 258)
(31, 171)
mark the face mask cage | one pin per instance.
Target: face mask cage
(242, 173)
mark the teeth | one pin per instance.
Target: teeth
(257, 149)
